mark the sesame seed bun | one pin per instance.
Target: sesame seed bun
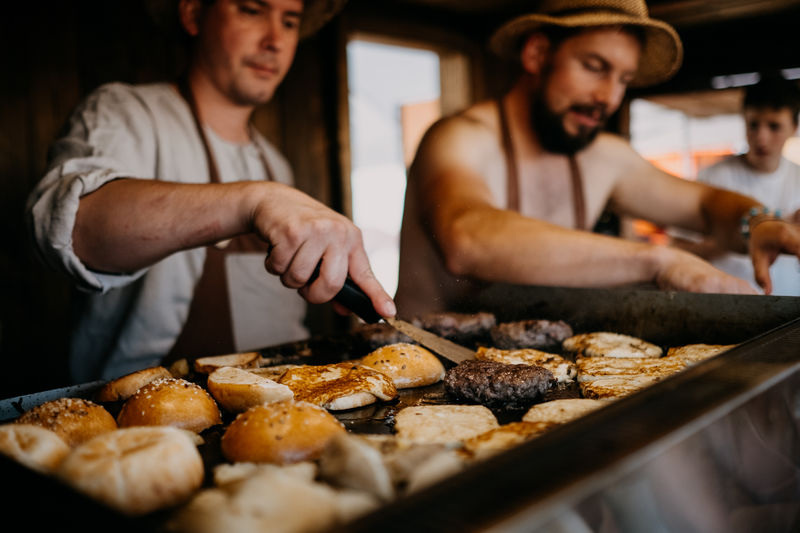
(170, 402)
(280, 433)
(124, 387)
(75, 420)
(407, 364)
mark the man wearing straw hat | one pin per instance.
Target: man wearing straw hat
(162, 202)
(508, 190)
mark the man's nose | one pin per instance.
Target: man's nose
(273, 32)
(609, 92)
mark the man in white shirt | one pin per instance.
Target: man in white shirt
(770, 112)
(162, 201)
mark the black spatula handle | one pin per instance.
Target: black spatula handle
(356, 300)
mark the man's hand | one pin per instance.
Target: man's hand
(682, 271)
(304, 233)
(768, 239)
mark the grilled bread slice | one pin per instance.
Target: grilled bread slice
(339, 386)
(612, 387)
(442, 424)
(695, 353)
(563, 370)
(592, 368)
(503, 438)
(561, 411)
(607, 344)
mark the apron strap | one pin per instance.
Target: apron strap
(512, 173)
(208, 329)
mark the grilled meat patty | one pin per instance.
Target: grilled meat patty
(467, 329)
(539, 334)
(498, 385)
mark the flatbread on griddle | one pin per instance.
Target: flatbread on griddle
(607, 344)
(338, 386)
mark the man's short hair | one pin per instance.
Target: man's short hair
(774, 92)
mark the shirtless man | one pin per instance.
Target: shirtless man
(493, 195)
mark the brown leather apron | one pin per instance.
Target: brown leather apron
(209, 328)
(512, 187)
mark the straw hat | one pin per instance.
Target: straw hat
(662, 53)
(316, 13)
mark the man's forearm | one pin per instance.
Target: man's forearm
(507, 247)
(129, 224)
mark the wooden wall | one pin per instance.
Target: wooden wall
(52, 56)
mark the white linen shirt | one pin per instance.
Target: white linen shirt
(129, 321)
(776, 190)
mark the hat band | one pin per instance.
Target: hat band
(586, 10)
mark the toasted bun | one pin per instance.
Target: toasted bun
(561, 411)
(281, 433)
(170, 402)
(206, 365)
(34, 446)
(237, 390)
(339, 386)
(408, 365)
(136, 470)
(443, 424)
(73, 419)
(124, 387)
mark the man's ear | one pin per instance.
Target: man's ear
(534, 53)
(189, 14)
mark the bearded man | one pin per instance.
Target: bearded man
(508, 190)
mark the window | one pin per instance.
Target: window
(394, 95)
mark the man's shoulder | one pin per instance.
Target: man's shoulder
(473, 124)
(126, 98)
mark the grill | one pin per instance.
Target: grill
(606, 468)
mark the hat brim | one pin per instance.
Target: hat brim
(662, 53)
(316, 13)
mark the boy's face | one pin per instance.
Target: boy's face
(767, 131)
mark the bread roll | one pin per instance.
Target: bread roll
(170, 402)
(237, 390)
(73, 419)
(408, 365)
(124, 387)
(34, 446)
(206, 365)
(136, 470)
(280, 433)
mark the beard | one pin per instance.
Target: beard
(549, 125)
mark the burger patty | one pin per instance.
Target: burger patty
(462, 328)
(539, 334)
(498, 385)
(370, 337)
